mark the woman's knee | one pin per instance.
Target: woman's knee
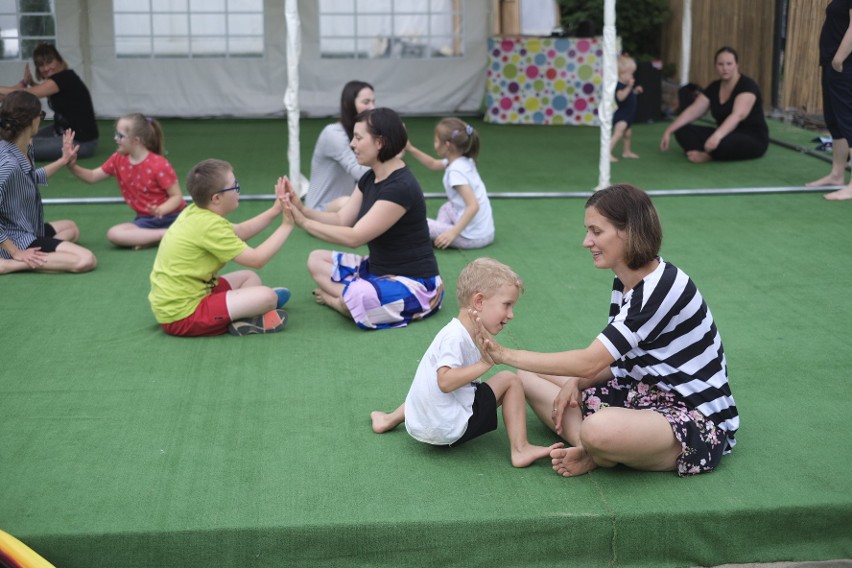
(598, 432)
(317, 259)
(86, 261)
(66, 230)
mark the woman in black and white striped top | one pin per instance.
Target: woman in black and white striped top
(26, 241)
(651, 392)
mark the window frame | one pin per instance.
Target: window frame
(393, 45)
(27, 43)
(185, 43)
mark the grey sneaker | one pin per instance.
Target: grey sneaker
(270, 322)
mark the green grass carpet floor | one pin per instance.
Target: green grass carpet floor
(124, 447)
(513, 158)
(120, 446)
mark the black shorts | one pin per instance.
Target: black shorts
(47, 243)
(484, 417)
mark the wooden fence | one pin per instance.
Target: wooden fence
(749, 27)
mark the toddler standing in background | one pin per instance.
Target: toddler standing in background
(465, 221)
(146, 179)
(447, 404)
(625, 96)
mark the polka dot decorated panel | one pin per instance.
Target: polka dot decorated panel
(538, 80)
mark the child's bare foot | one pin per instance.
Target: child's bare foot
(823, 181)
(840, 194)
(383, 421)
(630, 155)
(612, 158)
(698, 157)
(530, 453)
(571, 462)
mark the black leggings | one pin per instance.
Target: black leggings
(734, 146)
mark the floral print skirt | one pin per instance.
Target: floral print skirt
(702, 442)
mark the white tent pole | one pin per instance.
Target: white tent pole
(686, 42)
(610, 74)
(291, 93)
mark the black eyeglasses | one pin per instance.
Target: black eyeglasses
(235, 187)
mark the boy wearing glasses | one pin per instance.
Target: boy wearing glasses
(187, 297)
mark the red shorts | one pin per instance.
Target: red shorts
(211, 317)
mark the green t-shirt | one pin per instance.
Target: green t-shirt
(193, 250)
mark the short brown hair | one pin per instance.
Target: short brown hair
(205, 179)
(484, 275)
(385, 124)
(630, 210)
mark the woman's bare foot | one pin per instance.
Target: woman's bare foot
(383, 421)
(320, 296)
(824, 181)
(698, 157)
(528, 454)
(336, 303)
(840, 194)
(571, 462)
(630, 155)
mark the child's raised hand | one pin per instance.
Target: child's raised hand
(290, 201)
(281, 199)
(69, 149)
(28, 77)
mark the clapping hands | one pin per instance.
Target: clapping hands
(290, 201)
(69, 149)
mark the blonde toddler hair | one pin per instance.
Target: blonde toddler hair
(485, 275)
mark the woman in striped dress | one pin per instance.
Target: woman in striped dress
(651, 392)
(26, 241)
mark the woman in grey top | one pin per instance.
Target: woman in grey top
(334, 169)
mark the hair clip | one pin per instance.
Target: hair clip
(469, 129)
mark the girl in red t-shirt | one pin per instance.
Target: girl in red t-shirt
(146, 179)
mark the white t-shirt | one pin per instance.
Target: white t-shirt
(436, 417)
(462, 171)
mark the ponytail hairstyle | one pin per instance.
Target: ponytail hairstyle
(348, 111)
(147, 129)
(460, 134)
(17, 112)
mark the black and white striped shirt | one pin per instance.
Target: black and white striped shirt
(21, 210)
(661, 332)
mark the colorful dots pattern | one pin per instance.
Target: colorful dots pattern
(544, 80)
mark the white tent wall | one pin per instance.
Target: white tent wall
(442, 86)
(254, 87)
